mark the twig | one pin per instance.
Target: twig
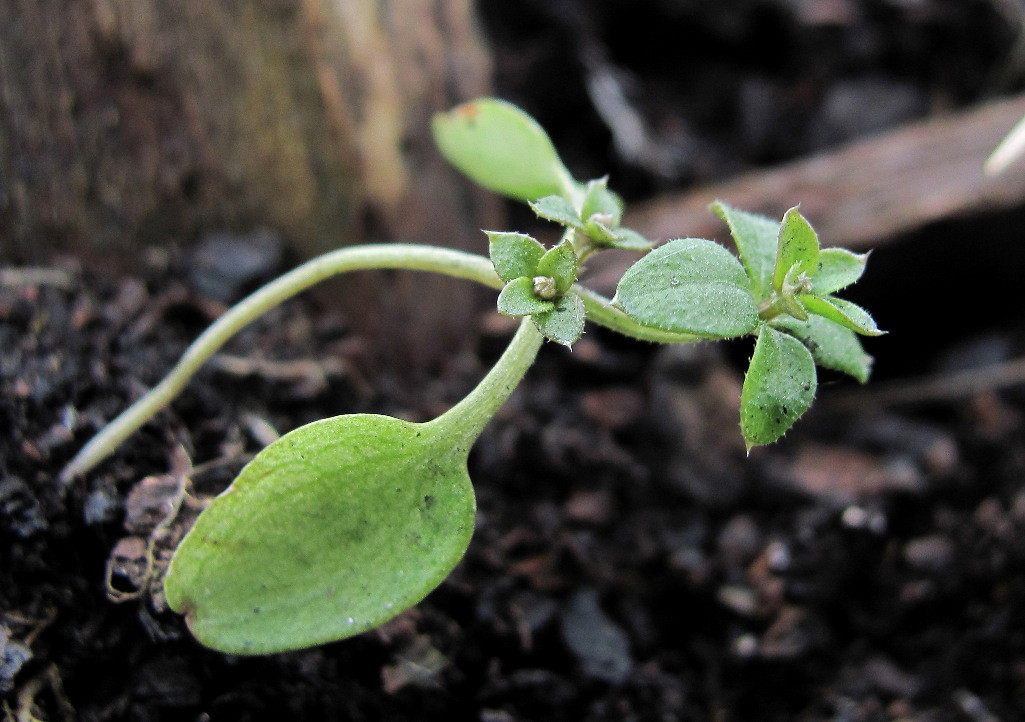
(11, 277)
(942, 387)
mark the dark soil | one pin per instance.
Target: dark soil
(629, 561)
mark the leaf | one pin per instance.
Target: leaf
(557, 209)
(501, 148)
(838, 268)
(519, 299)
(778, 389)
(757, 239)
(600, 201)
(331, 530)
(559, 263)
(565, 323)
(833, 346)
(842, 312)
(600, 233)
(692, 286)
(798, 246)
(514, 254)
(630, 240)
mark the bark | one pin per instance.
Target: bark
(132, 122)
(860, 196)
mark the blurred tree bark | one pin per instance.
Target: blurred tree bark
(128, 122)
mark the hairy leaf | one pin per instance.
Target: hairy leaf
(833, 346)
(838, 268)
(798, 248)
(630, 240)
(757, 239)
(514, 254)
(689, 285)
(565, 323)
(599, 200)
(559, 263)
(778, 389)
(557, 209)
(842, 312)
(519, 299)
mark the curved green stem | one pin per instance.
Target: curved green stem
(396, 255)
(467, 419)
(406, 256)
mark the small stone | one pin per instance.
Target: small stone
(19, 509)
(613, 408)
(889, 678)
(600, 646)
(101, 505)
(223, 265)
(13, 656)
(738, 599)
(842, 476)
(739, 541)
(929, 553)
(745, 646)
(594, 507)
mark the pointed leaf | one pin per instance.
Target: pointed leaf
(565, 322)
(833, 346)
(502, 148)
(518, 299)
(600, 233)
(600, 201)
(559, 263)
(557, 209)
(514, 254)
(778, 389)
(842, 312)
(798, 247)
(689, 285)
(757, 239)
(838, 268)
(330, 531)
(630, 240)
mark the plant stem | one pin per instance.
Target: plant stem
(354, 258)
(406, 256)
(601, 311)
(467, 419)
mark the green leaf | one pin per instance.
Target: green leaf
(559, 263)
(557, 209)
(502, 148)
(630, 240)
(838, 268)
(778, 389)
(600, 233)
(757, 239)
(330, 531)
(832, 346)
(519, 299)
(798, 248)
(600, 201)
(514, 254)
(565, 322)
(692, 286)
(842, 312)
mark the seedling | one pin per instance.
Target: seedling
(343, 523)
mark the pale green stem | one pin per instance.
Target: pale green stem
(467, 419)
(399, 256)
(406, 256)
(601, 311)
